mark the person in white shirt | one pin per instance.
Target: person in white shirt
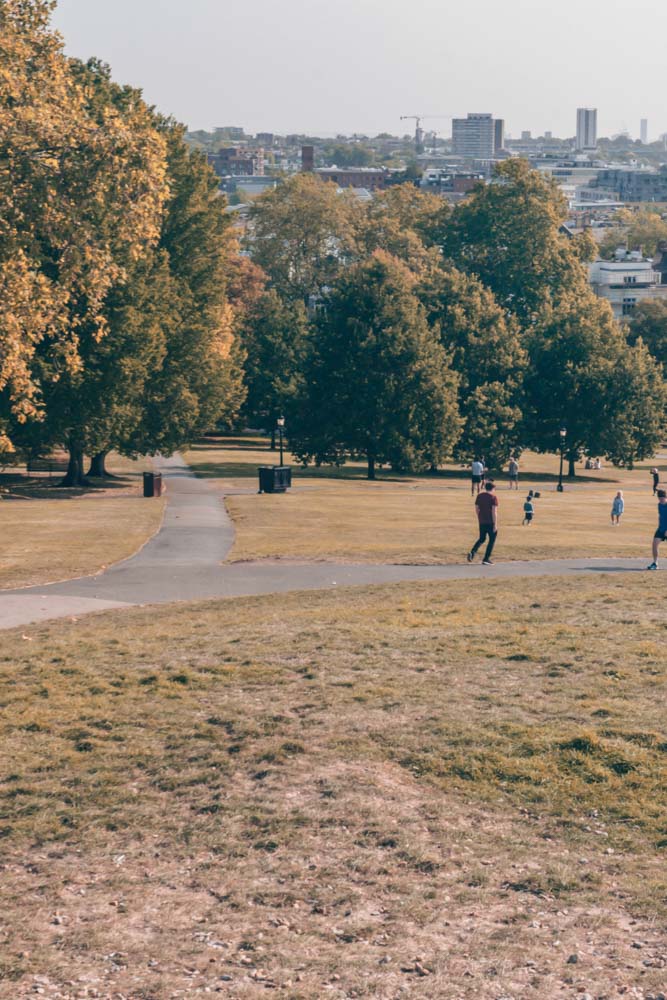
(477, 474)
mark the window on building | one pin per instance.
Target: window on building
(628, 306)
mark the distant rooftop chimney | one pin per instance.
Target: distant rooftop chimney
(307, 159)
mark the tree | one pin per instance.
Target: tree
(581, 373)
(404, 222)
(635, 407)
(81, 191)
(274, 337)
(377, 384)
(200, 382)
(639, 229)
(302, 234)
(486, 351)
(508, 234)
(649, 321)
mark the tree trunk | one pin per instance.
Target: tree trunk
(98, 469)
(74, 475)
(371, 467)
(571, 471)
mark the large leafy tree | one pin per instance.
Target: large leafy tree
(485, 346)
(584, 376)
(200, 382)
(378, 384)
(274, 338)
(81, 192)
(509, 235)
(649, 321)
(302, 234)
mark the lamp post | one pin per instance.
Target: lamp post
(281, 426)
(563, 435)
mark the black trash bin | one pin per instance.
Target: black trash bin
(274, 478)
(152, 484)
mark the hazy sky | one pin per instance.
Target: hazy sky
(327, 66)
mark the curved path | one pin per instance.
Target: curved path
(184, 562)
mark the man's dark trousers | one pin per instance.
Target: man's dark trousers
(486, 531)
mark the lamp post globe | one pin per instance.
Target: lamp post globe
(281, 426)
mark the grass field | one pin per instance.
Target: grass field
(337, 514)
(433, 791)
(52, 534)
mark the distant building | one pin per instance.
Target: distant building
(633, 185)
(643, 131)
(498, 135)
(371, 178)
(307, 159)
(587, 128)
(474, 137)
(627, 280)
(233, 162)
(526, 136)
(232, 132)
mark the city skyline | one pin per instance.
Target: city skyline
(309, 69)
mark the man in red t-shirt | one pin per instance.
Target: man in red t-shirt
(486, 505)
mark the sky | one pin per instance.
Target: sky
(322, 67)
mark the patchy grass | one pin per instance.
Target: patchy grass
(433, 790)
(402, 519)
(49, 533)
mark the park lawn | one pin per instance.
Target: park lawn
(428, 790)
(407, 519)
(74, 533)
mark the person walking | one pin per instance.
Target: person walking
(477, 472)
(617, 508)
(486, 505)
(656, 480)
(661, 533)
(513, 473)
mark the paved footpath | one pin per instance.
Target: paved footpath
(184, 562)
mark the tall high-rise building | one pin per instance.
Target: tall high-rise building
(643, 130)
(587, 128)
(498, 135)
(474, 137)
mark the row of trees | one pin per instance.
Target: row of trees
(116, 262)
(439, 332)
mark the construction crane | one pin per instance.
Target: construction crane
(419, 132)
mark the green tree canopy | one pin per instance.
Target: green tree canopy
(378, 383)
(508, 234)
(649, 321)
(484, 343)
(302, 234)
(639, 229)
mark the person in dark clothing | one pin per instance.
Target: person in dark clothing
(656, 480)
(486, 506)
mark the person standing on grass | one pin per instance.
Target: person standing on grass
(486, 505)
(661, 533)
(656, 480)
(513, 473)
(477, 471)
(528, 509)
(617, 508)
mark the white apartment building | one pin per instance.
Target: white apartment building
(587, 128)
(474, 137)
(626, 281)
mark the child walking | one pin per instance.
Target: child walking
(617, 508)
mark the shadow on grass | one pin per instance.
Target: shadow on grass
(225, 469)
(17, 486)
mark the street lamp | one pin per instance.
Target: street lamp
(563, 435)
(281, 426)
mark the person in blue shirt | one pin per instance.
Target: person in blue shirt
(661, 533)
(617, 508)
(528, 509)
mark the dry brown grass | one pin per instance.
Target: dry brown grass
(433, 790)
(51, 534)
(401, 519)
